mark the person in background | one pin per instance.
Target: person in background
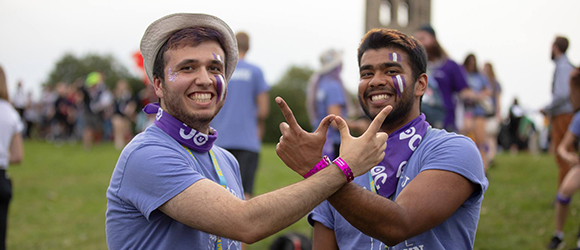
(19, 99)
(11, 152)
(124, 115)
(241, 120)
(326, 95)
(568, 150)
(447, 80)
(494, 118)
(560, 109)
(476, 112)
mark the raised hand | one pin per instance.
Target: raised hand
(298, 149)
(364, 152)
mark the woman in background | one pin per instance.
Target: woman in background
(494, 118)
(11, 152)
(476, 111)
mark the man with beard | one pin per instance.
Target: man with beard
(446, 79)
(560, 111)
(424, 194)
(172, 188)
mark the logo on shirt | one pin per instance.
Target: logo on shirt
(412, 247)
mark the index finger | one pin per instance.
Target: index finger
(288, 115)
(379, 119)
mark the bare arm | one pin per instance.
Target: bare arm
(249, 221)
(566, 149)
(428, 200)
(324, 238)
(16, 149)
(263, 103)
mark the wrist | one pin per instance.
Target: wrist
(323, 163)
(345, 168)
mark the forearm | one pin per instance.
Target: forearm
(388, 222)
(269, 213)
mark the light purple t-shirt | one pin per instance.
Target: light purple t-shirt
(152, 169)
(451, 79)
(237, 121)
(574, 126)
(438, 150)
(329, 93)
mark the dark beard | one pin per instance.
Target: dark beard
(173, 108)
(401, 109)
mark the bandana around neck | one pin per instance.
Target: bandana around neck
(179, 131)
(400, 146)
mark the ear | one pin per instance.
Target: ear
(421, 85)
(157, 85)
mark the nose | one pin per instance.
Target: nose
(378, 80)
(204, 78)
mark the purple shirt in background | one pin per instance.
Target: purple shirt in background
(237, 121)
(152, 169)
(451, 79)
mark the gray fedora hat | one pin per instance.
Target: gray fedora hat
(159, 31)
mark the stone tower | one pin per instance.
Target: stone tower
(403, 15)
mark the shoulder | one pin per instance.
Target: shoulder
(443, 150)
(8, 111)
(248, 65)
(152, 144)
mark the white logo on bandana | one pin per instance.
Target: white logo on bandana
(200, 139)
(159, 114)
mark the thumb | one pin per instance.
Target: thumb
(323, 126)
(342, 128)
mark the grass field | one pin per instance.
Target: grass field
(59, 199)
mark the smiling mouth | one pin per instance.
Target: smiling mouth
(380, 97)
(200, 97)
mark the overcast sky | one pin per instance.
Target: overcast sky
(516, 36)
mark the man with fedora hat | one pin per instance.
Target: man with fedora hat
(172, 188)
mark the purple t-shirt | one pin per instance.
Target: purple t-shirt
(152, 169)
(237, 121)
(438, 150)
(574, 126)
(451, 79)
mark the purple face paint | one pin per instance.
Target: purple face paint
(394, 57)
(217, 57)
(399, 84)
(171, 75)
(220, 87)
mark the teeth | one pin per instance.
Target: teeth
(379, 97)
(201, 97)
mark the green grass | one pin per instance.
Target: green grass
(59, 199)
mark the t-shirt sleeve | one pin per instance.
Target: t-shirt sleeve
(150, 180)
(575, 125)
(261, 85)
(443, 156)
(323, 213)
(334, 95)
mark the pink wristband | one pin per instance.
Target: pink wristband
(319, 166)
(345, 169)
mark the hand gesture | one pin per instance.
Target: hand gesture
(364, 152)
(297, 148)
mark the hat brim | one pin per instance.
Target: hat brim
(331, 65)
(159, 31)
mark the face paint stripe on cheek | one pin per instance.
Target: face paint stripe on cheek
(396, 85)
(224, 86)
(219, 87)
